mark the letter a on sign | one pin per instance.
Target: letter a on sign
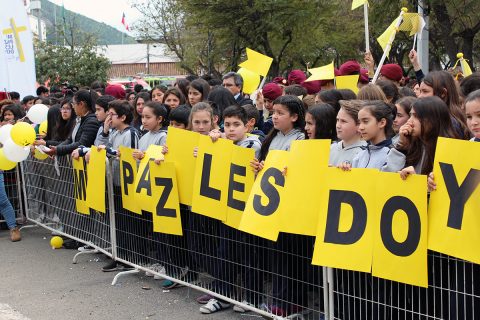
(344, 233)
(400, 236)
(80, 185)
(262, 213)
(453, 212)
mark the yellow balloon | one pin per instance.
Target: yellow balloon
(40, 155)
(23, 134)
(251, 80)
(42, 129)
(56, 242)
(6, 164)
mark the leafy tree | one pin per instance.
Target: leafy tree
(77, 62)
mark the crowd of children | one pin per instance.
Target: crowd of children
(384, 126)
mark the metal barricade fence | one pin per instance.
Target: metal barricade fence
(453, 293)
(12, 182)
(50, 203)
(241, 268)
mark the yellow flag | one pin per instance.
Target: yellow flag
(80, 185)
(240, 184)
(347, 82)
(400, 224)
(143, 185)
(465, 68)
(358, 3)
(165, 207)
(210, 185)
(453, 217)
(345, 224)
(301, 216)
(322, 73)
(128, 172)
(262, 212)
(96, 169)
(411, 22)
(257, 62)
(384, 39)
(180, 144)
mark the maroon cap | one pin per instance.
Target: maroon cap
(115, 91)
(363, 76)
(296, 77)
(313, 87)
(280, 81)
(349, 68)
(272, 91)
(392, 71)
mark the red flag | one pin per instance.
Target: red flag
(124, 22)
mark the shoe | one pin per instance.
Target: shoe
(169, 284)
(214, 305)
(154, 270)
(242, 309)
(15, 235)
(124, 267)
(111, 266)
(205, 298)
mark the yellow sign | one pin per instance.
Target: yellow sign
(344, 232)
(240, 183)
(128, 172)
(164, 203)
(304, 175)
(211, 178)
(14, 30)
(180, 151)
(80, 185)
(96, 169)
(358, 3)
(262, 212)
(347, 82)
(143, 186)
(453, 213)
(322, 73)
(400, 230)
(257, 62)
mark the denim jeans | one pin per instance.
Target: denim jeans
(6, 209)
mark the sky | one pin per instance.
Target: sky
(107, 11)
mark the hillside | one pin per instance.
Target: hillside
(104, 33)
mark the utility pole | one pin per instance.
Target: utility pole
(422, 43)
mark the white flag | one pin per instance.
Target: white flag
(17, 63)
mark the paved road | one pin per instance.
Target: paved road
(39, 283)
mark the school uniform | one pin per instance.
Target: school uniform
(251, 141)
(396, 161)
(339, 153)
(283, 141)
(158, 138)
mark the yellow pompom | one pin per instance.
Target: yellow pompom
(404, 9)
(459, 55)
(56, 242)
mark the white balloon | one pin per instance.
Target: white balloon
(37, 113)
(14, 152)
(5, 132)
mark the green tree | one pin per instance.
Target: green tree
(77, 62)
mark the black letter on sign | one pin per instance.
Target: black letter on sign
(406, 248)
(458, 194)
(168, 186)
(127, 176)
(270, 192)
(359, 208)
(205, 189)
(236, 186)
(80, 187)
(144, 182)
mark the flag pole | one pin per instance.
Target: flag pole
(389, 45)
(367, 34)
